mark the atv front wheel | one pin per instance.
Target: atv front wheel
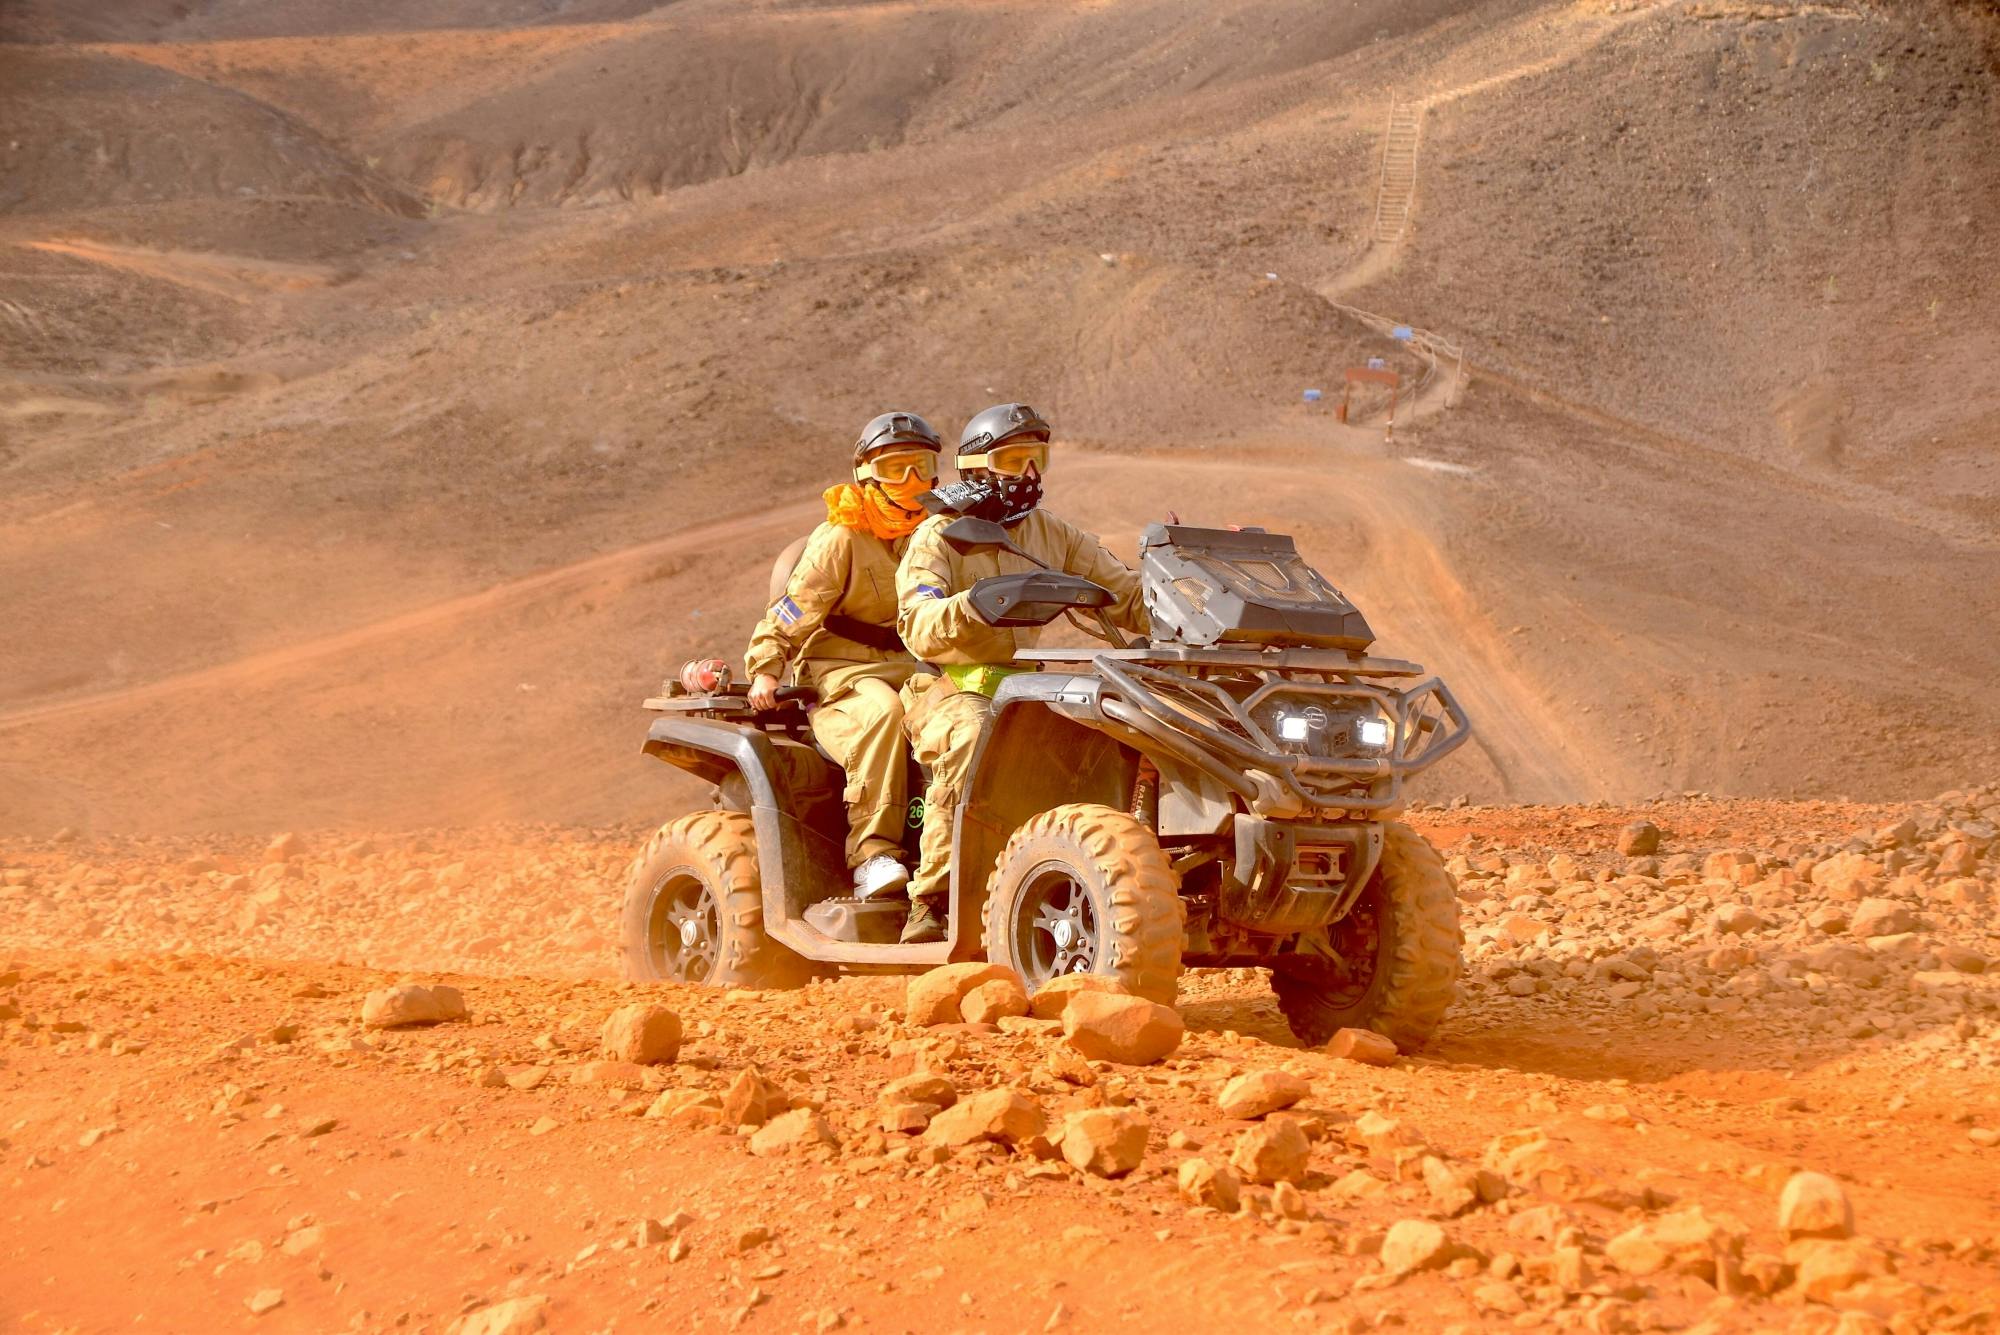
(1086, 889)
(694, 911)
(1392, 964)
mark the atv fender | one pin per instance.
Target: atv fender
(798, 864)
(1040, 751)
(792, 857)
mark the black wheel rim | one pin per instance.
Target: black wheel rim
(1357, 940)
(1055, 928)
(1346, 970)
(686, 927)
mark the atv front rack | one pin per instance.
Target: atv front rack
(1200, 706)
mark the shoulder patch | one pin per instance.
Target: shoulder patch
(930, 590)
(787, 611)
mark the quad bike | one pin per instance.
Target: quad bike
(1222, 794)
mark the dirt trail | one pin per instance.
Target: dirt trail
(1523, 51)
(237, 277)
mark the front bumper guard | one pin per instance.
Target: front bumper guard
(1208, 727)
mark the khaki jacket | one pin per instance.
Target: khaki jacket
(934, 613)
(842, 570)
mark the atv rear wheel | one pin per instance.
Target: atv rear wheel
(1392, 964)
(1087, 889)
(694, 911)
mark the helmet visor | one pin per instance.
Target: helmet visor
(1010, 458)
(898, 465)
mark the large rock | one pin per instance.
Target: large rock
(284, 847)
(1131, 1030)
(1362, 1045)
(936, 997)
(994, 1000)
(923, 1087)
(1826, 1268)
(1453, 1188)
(751, 1100)
(1881, 917)
(411, 1003)
(688, 1107)
(1957, 859)
(1204, 1183)
(1737, 919)
(1415, 1244)
(1053, 999)
(1004, 1115)
(647, 1035)
(1256, 1093)
(1520, 929)
(1381, 1135)
(1274, 1151)
(1813, 1205)
(799, 1129)
(1685, 1242)
(1640, 839)
(1108, 1142)
(1528, 1159)
(515, 1316)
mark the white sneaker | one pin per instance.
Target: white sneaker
(881, 877)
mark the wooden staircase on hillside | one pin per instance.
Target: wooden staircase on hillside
(1398, 187)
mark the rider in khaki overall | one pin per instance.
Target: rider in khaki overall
(837, 623)
(1006, 450)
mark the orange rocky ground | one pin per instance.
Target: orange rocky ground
(204, 1134)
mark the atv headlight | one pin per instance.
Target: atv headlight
(1324, 726)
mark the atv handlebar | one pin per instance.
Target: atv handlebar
(1034, 598)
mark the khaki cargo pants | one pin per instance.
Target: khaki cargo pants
(944, 724)
(859, 720)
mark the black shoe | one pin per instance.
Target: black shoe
(924, 924)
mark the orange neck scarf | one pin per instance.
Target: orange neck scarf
(876, 509)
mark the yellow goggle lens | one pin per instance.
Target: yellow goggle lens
(1012, 459)
(900, 465)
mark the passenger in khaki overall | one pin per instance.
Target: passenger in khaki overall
(1005, 450)
(837, 623)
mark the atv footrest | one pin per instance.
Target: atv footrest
(871, 922)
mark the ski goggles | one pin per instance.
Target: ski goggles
(1010, 458)
(898, 465)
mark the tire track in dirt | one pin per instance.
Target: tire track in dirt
(783, 518)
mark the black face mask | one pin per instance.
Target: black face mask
(1018, 495)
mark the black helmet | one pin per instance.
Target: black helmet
(1003, 497)
(1002, 421)
(892, 429)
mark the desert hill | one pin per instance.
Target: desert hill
(389, 395)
